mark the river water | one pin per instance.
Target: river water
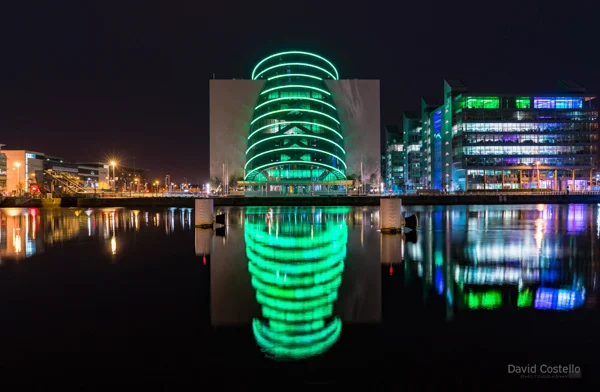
(303, 293)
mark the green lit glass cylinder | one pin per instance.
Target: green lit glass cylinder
(296, 261)
(295, 131)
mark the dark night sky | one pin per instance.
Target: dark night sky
(87, 80)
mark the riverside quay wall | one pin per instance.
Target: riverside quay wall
(342, 200)
(149, 202)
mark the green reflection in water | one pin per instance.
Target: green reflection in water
(296, 259)
(486, 300)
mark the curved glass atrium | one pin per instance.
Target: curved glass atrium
(295, 135)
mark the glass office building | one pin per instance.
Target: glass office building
(295, 138)
(394, 159)
(510, 141)
(412, 151)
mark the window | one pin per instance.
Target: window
(523, 102)
(558, 103)
(481, 103)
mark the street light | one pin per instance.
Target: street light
(113, 164)
(18, 166)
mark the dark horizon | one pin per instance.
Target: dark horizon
(87, 82)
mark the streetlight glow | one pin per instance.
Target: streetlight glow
(18, 166)
(114, 164)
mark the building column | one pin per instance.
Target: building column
(466, 180)
(484, 180)
(520, 179)
(556, 182)
(502, 179)
(573, 180)
(590, 179)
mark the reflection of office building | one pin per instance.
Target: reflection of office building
(19, 237)
(532, 265)
(509, 141)
(296, 265)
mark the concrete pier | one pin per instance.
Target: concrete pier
(203, 213)
(390, 215)
(203, 241)
(391, 248)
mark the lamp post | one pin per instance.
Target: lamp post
(18, 166)
(114, 164)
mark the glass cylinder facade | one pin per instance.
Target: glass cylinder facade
(296, 260)
(295, 134)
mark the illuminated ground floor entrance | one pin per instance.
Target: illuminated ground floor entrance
(295, 188)
(553, 179)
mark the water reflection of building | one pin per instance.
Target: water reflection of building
(296, 261)
(19, 237)
(27, 231)
(484, 257)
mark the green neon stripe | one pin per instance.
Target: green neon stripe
(257, 210)
(294, 110)
(308, 254)
(294, 148)
(306, 292)
(296, 327)
(295, 268)
(297, 352)
(284, 123)
(288, 162)
(296, 340)
(297, 135)
(291, 280)
(300, 98)
(295, 86)
(295, 52)
(286, 264)
(256, 233)
(295, 305)
(298, 267)
(313, 314)
(301, 64)
(295, 74)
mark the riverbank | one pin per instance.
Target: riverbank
(305, 201)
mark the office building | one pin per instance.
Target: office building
(120, 178)
(23, 168)
(295, 128)
(412, 142)
(3, 169)
(492, 141)
(394, 159)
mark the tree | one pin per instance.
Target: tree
(215, 183)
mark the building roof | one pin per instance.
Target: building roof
(411, 115)
(456, 84)
(570, 86)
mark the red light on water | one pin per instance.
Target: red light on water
(204, 260)
(391, 270)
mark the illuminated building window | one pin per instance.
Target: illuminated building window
(523, 103)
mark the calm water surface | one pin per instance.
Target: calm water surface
(302, 293)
